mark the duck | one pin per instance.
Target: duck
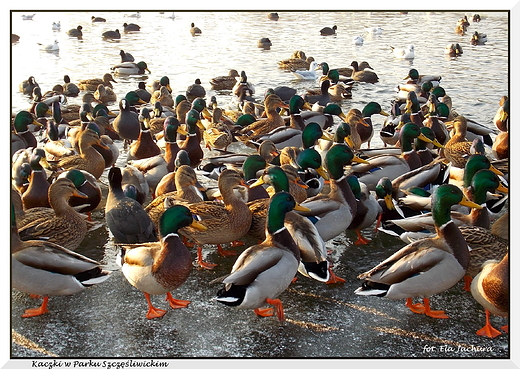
(420, 146)
(478, 38)
(453, 50)
(55, 147)
(111, 35)
(298, 61)
(160, 267)
(217, 134)
(65, 226)
(145, 145)
(324, 118)
(490, 288)
(273, 16)
(21, 123)
(438, 263)
(27, 86)
(242, 86)
(457, 149)
(69, 88)
(91, 84)
(224, 82)
(131, 68)
(36, 193)
(313, 254)
(46, 269)
(225, 223)
(328, 31)
(333, 212)
(500, 147)
(486, 243)
(195, 31)
(186, 191)
(76, 32)
(306, 75)
(414, 77)
(263, 271)
(89, 158)
(126, 218)
(265, 43)
(95, 19)
(367, 209)
(195, 90)
(406, 53)
(131, 27)
(88, 185)
(263, 126)
(105, 94)
(391, 165)
(192, 142)
(127, 124)
(363, 75)
(435, 120)
(366, 129)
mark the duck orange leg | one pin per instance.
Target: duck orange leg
(467, 283)
(225, 253)
(175, 303)
(153, 312)
(416, 308)
(278, 307)
(29, 313)
(361, 240)
(438, 314)
(201, 262)
(333, 278)
(264, 312)
(488, 329)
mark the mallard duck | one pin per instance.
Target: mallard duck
(192, 142)
(491, 290)
(27, 86)
(225, 223)
(265, 43)
(390, 165)
(435, 119)
(126, 218)
(313, 263)
(21, 123)
(160, 267)
(76, 32)
(457, 149)
(217, 134)
(65, 227)
(36, 194)
(273, 16)
(224, 82)
(366, 129)
(195, 90)
(92, 83)
(367, 209)
(105, 94)
(425, 267)
(111, 35)
(324, 118)
(186, 191)
(87, 184)
(478, 38)
(453, 49)
(130, 68)
(363, 75)
(263, 126)
(69, 88)
(89, 158)
(131, 27)
(420, 146)
(500, 146)
(264, 271)
(195, 31)
(46, 269)
(335, 210)
(327, 31)
(145, 145)
(485, 243)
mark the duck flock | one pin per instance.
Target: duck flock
(268, 180)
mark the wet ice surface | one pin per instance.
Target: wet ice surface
(322, 321)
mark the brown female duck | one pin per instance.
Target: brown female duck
(66, 226)
(91, 84)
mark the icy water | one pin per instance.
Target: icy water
(322, 321)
